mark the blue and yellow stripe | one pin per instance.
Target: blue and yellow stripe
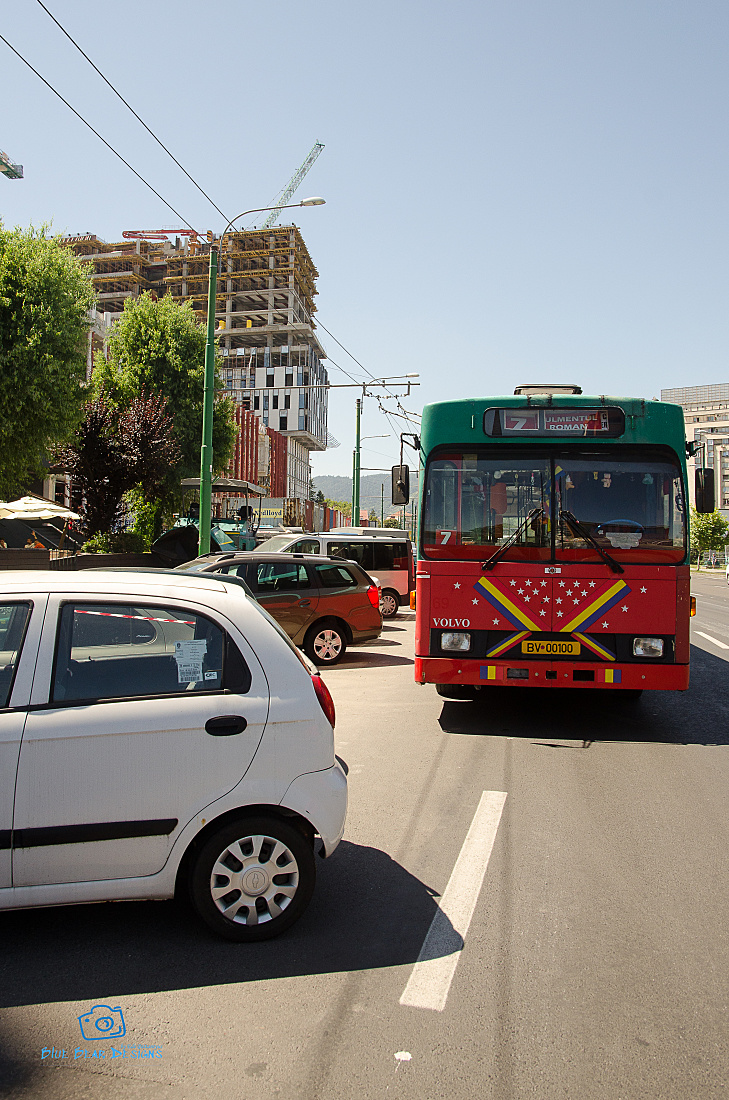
(507, 643)
(598, 607)
(596, 647)
(502, 603)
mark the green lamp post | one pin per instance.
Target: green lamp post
(206, 449)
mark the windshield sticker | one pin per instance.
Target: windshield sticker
(623, 540)
(189, 657)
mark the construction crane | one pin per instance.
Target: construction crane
(292, 185)
(156, 234)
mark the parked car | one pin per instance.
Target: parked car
(160, 731)
(381, 550)
(323, 604)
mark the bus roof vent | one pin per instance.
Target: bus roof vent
(546, 388)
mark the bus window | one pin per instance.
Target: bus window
(629, 502)
(477, 501)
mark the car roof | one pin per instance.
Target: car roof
(114, 582)
(261, 555)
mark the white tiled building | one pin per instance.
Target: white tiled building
(706, 411)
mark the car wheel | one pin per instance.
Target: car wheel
(253, 878)
(389, 603)
(462, 693)
(325, 644)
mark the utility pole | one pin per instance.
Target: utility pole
(355, 468)
(206, 450)
(382, 506)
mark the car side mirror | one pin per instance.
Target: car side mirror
(704, 494)
(400, 484)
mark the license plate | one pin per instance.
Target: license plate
(551, 648)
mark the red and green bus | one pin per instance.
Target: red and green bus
(553, 543)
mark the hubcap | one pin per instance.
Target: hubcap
(327, 645)
(254, 879)
(387, 605)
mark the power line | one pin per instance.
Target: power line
(98, 135)
(130, 108)
(349, 353)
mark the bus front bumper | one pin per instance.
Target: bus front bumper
(545, 674)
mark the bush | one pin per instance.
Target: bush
(123, 542)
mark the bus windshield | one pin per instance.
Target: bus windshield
(628, 499)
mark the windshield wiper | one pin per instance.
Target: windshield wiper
(498, 555)
(576, 526)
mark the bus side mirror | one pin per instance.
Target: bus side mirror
(704, 491)
(400, 484)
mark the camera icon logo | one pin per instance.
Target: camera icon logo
(102, 1022)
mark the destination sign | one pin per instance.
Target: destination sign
(607, 421)
(576, 420)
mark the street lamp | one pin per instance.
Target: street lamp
(206, 449)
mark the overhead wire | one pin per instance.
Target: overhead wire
(130, 108)
(98, 135)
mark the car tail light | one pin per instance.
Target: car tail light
(693, 606)
(374, 595)
(325, 700)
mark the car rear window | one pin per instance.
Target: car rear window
(335, 576)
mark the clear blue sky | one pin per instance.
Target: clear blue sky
(516, 190)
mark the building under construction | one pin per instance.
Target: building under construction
(272, 359)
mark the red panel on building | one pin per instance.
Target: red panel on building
(245, 459)
(277, 478)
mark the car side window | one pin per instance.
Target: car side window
(383, 555)
(304, 546)
(334, 576)
(275, 577)
(361, 552)
(13, 623)
(108, 651)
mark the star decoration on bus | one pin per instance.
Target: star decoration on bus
(644, 589)
(604, 626)
(457, 584)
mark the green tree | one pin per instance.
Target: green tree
(709, 531)
(343, 506)
(392, 521)
(158, 346)
(45, 299)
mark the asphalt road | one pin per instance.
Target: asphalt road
(595, 964)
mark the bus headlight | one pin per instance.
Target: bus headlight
(455, 641)
(647, 647)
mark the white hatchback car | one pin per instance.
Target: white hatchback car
(160, 731)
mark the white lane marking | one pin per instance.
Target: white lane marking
(721, 645)
(431, 977)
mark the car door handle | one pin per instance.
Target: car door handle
(225, 726)
(304, 603)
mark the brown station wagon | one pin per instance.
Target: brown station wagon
(323, 604)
